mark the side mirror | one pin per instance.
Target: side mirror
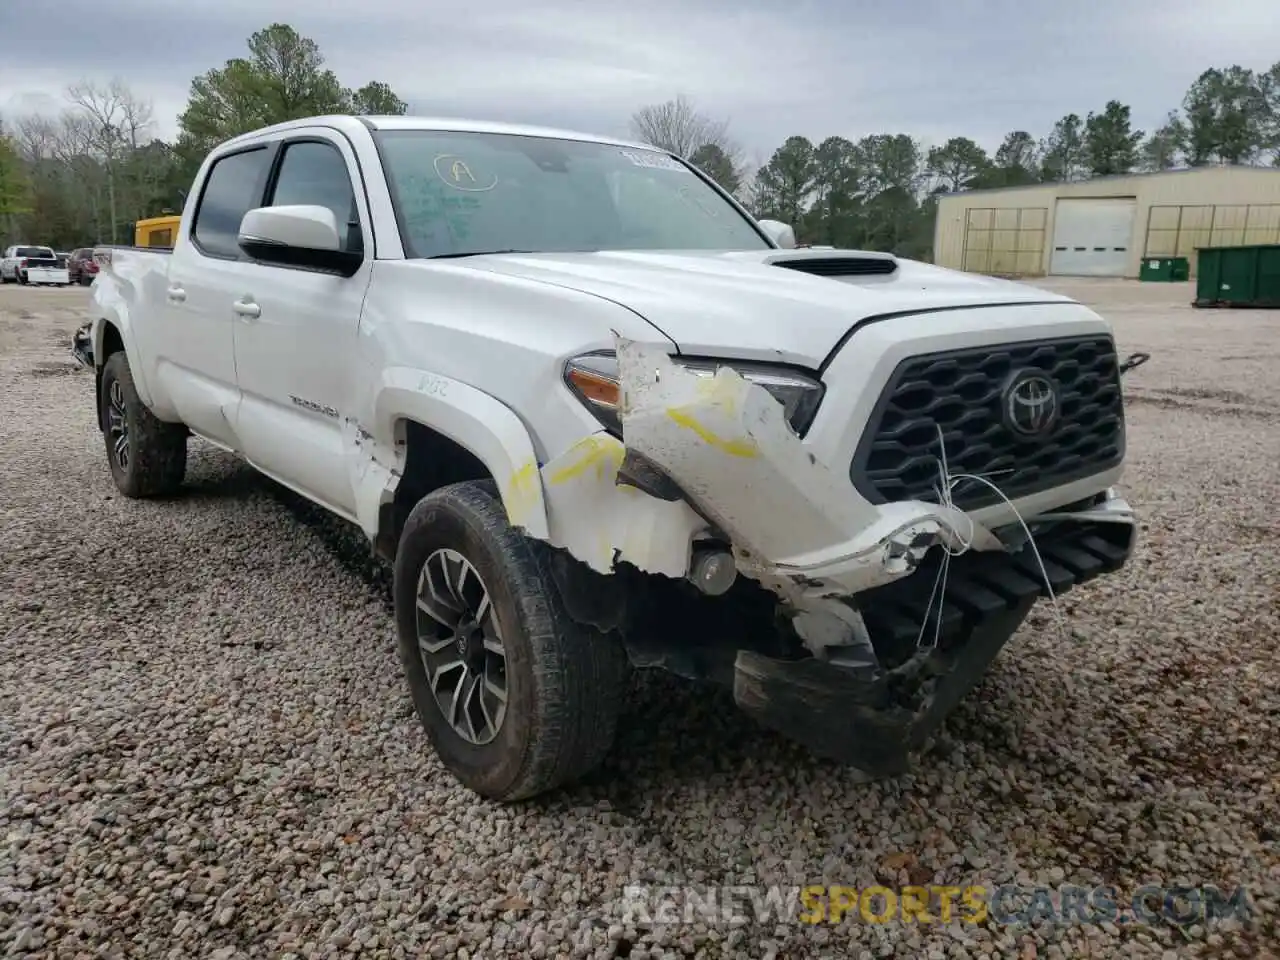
(297, 236)
(779, 233)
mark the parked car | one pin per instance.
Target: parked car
(35, 265)
(596, 415)
(81, 267)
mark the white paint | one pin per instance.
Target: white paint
(600, 522)
(316, 387)
(305, 226)
(1093, 237)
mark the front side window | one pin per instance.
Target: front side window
(232, 189)
(461, 193)
(315, 174)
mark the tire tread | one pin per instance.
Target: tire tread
(158, 450)
(579, 675)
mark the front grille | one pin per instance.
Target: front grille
(962, 391)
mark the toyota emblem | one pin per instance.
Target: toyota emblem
(1030, 404)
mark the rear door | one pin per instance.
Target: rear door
(195, 343)
(295, 342)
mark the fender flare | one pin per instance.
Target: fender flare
(476, 421)
(116, 315)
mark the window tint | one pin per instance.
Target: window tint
(233, 188)
(316, 174)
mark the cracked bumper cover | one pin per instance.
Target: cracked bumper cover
(814, 538)
(722, 443)
(815, 546)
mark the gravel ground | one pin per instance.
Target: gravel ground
(208, 748)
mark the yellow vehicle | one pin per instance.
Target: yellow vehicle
(156, 231)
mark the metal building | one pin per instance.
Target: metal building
(1105, 227)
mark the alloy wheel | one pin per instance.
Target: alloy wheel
(460, 644)
(118, 425)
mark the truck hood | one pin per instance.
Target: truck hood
(761, 305)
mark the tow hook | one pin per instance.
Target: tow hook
(1133, 361)
(713, 570)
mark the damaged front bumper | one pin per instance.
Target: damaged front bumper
(82, 345)
(893, 640)
(875, 718)
(794, 525)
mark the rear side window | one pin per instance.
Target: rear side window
(315, 174)
(232, 189)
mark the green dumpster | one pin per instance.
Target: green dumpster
(1238, 276)
(1164, 269)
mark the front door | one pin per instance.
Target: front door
(296, 333)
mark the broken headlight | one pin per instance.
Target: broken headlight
(593, 379)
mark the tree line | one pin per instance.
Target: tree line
(880, 192)
(87, 173)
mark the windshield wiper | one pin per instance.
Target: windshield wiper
(475, 253)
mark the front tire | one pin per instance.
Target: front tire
(515, 696)
(147, 456)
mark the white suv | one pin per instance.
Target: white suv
(597, 415)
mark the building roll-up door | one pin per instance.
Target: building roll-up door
(1092, 238)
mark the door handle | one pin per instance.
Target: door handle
(177, 295)
(247, 309)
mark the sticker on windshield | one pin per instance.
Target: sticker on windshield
(653, 161)
(457, 173)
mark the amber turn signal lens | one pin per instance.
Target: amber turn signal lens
(594, 387)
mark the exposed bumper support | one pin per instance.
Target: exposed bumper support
(872, 724)
(874, 719)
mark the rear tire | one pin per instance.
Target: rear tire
(147, 456)
(498, 614)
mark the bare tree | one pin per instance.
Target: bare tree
(36, 137)
(118, 121)
(677, 126)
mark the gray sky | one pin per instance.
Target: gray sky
(930, 68)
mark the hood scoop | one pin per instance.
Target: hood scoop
(862, 265)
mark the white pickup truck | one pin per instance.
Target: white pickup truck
(597, 416)
(33, 265)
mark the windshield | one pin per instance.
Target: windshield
(461, 193)
(39, 253)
